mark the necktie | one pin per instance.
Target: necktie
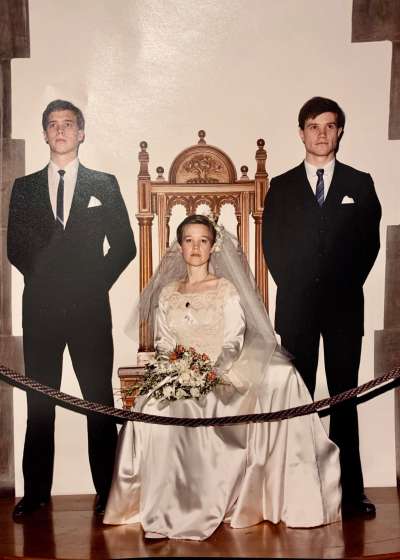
(60, 201)
(319, 191)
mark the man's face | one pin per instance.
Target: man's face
(320, 136)
(63, 134)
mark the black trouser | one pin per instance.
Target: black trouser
(342, 359)
(91, 348)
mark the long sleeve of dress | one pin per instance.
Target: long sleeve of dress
(164, 340)
(234, 330)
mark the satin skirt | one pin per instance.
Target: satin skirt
(181, 482)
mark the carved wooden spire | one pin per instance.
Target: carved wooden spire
(144, 161)
(202, 135)
(160, 174)
(261, 156)
(244, 170)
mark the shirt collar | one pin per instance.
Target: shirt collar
(312, 169)
(71, 167)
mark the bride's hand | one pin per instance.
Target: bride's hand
(226, 380)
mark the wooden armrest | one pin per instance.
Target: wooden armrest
(130, 376)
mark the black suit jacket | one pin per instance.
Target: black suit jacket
(320, 257)
(68, 268)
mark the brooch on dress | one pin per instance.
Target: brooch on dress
(188, 315)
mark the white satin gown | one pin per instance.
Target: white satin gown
(181, 482)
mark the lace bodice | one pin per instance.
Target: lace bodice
(211, 322)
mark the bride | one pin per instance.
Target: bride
(182, 482)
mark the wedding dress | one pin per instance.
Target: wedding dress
(182, 482)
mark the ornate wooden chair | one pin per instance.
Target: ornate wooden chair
(199, 175)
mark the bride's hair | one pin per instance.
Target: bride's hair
(196, 219)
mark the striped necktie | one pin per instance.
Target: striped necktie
(319, 191)
(60, 201)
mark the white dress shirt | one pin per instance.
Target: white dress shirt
(71, 172)
(312, 176)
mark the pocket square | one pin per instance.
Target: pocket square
(347, 200)
(94, 202)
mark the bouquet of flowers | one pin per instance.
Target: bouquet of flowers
(181, 374)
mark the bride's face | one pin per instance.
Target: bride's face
(196, 244)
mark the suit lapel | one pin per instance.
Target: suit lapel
(305, 191)
(81, 196)
(335, 192)
(42, 196)
(42, 188)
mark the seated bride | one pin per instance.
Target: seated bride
(182, 482)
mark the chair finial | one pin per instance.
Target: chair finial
(160, 174)
(202, 135)
(144, 161)
(261, 157)
(244, 169)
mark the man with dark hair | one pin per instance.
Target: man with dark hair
(62, 105)
(321, 238)
(59, 219)
(318, 105)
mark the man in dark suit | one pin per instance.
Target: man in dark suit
(321, 238)
(58, 222)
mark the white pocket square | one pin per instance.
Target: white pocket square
(347, 200)
(94, 202)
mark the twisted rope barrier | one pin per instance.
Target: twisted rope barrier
(84, 407)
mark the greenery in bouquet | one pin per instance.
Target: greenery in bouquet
(181, 374)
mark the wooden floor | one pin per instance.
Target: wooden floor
(68, 530)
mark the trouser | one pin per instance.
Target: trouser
(91, 351)
(342, 353)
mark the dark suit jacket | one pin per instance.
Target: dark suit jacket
(68, 269)
(320, 257)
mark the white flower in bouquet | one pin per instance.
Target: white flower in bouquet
(181, 394)
(200, 381)
(168, 391)
(185, 378)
